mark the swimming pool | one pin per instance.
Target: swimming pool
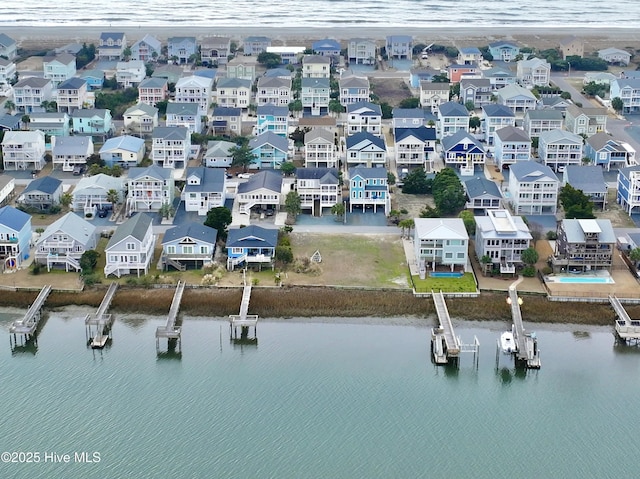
(436, 274)
(580, 279)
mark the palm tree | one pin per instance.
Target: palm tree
(338, 210)
(406, 225)
(113, 197)
(66, 199)
(9, 106)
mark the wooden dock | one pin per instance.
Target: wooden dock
(445, 345)
(28, 325)
(627, 329)
(243, 320)
(527, 352)
(98, 326)
(171, 331)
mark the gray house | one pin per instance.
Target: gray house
(64, 242)
(588, 179)
(482, 194)
(42, 193)
(180, 49)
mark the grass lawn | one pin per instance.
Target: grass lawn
(465, 284)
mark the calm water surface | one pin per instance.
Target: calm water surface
(317, 400)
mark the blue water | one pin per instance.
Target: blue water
(584, 279)
(446, 275)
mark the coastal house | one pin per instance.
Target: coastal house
(315, 96)
(226, 121)
(290, 55)
(92, 193)
(571, 46)
(399, 47)
(560, 148)
(41, 193)
(502, 238)
(15, 237)
(599, 78)
(478, 91)
(215, 50)
(318, 188)
(440, 242)
(368, 188)
(10, 122)
(141, 119)
(129, 74)
(67, 152)
(7, 72)
(126, 151)
(255, 45)
(536, 122)
(533, 189)
(419, 74)
(195, 89)
(495, 117)
(111, 46)
(262, 190)
(172, 73)
(499, 77)
(452, 117)
(615, 56)
(94, 79)
(319, 149)
(482, 194)
(364, 148)
(511, 145)
(270, 150)
(242, 67)
(518, 98)
(306, 123)
(327, 47)
(148, 189)
(584, 245)
(181, 49)
(353, 89)
(605, 151)
(628, 90)
(628, 188)
(92, 121)
(590, 180)
(469, 56)
(504, 51)
(8, 47)
(204, 189)
(273, 90)
(29, 93)
(456, 72)
(64, 241)
(7, 187)
(130, 249)
(148, 49)
(316, 66)
(170, 146)
(554, 103)
(52, 124)
(272, 118)
(233, 92)
(415, 147)
(73, 94)
(218, 154)
(251, 246)
(533, 72)
(586, 121)
(184, 114)
(188, 246)
(23, 150)
(361, 51)
(59, 68)
(433, 94)
(463, 151)
(364, 116)
(407, 118)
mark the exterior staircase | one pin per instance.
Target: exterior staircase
(233, 262)
(176, 264)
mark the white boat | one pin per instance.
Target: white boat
(507, 343)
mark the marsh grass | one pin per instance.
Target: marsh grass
(465, 284)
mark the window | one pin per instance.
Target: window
(171, 249)
(131, 246)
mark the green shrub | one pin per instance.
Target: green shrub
(36, 268)
(529, 272)
(546, 270)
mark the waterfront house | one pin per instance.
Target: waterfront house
(170, 146)
(560, 148)
(433, 94)
(407, 118)
(215, 50)
(52, 124)
(148, 189)
(94, 79)
(584, 245)
(499, 77)
(363, 148)
(255, 45)
(262, 190)
(469, 56)
(273, 90)
(91, 193)
(415, 147)
(146, 50)
(23, 150)
(233, 92)
(504, 51)
(218, 154)
(64, 241)
(73, 94)
(456, 72)
(482, 194)
(399, 47)
(29, 93)
(440, 242)
(361, 51)
(251, 246)
(141, 119)
(533, 72)
(184, 114)
(327, 48)
(8, 47)
(452, 117)
(195, 89)
(129, 74)
(364, 116)
(495, 117)
(111, 46)
(67, 152)
(319, 149)
(15, 237)
(188, 246)
(130, 249)
(315, 96)
(536, 122)
(590, 180)
(571, 46)
(615, 56)
(126, 151)
(533, 189)
(605, 151)
(368, 188)
(353, 89)
(502, 238)
(316, 66)
(511, 145)
(418, 74)
(289, 55)
(92, 121)
(226, 121)
(59, 68)
(7, 187)
(628, 188)
(586, 121)
(7, 72)
(463, 151)
(41, 193)
(204, 189)
(242, 67)
(478, 91)
(272, 118)
(270, 150)
(518, 98)
(181, 49)
(318, 188)
(628, 90)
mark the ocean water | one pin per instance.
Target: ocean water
(316, 400)
(324, 13)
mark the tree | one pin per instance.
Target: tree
(338, 210)
(469, 222)
(412, 102)
(26, 119)
(474, 122)
(407, 225)
(295, 106)
(113, 197)
(88, 261)
(592, 89)
(287, 168)
(242, 155)
(469, 105)
(219, 218)
(336, 107)
(575, 203)
(530, 256)
(617, 104)
(634, 255)
(387, 110)
(167, 210)
(448, 192)
(486, 263)
(284, 254)
(66, 199)
(9, 106)
(440, 78)
(565, 95)
(269, 60)
(416, 183)
(292, 203)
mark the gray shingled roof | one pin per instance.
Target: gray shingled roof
(531, 171)
(269, 137)
(211, 179)
(476, 187)
(452, 108)
(71, 145)
(136, 227)
(496, 110)
(589, 179)
(189, 109)
(193, 230)
(270, 109)
(421, 133)
(74, 83)
(511, 133)
(544, 115)
(252, 237)
(327, 176)
(46, 184)
(264, 179)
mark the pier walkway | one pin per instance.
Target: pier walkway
(627, 329)
(243, 319)
(101, 321)
(527, 344)
(170, 330)
(28, 325)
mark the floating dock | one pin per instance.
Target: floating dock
(627, 329)
(171, 331)
(28, 325)
(98, 325)
(445, 345)
(527, 352)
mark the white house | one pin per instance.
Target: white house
(615, 55)
(364, 116)
(361, 51)
(511, 145)
(538, 121)
(363, 148)
(130, 74)
(318, 188)
(64, 241)
(23, 150)
(452, 117)
(559, 148)
(126, 151)
(353, 89)
(186, 115)
(218, 154)
(204, 189)
(440, 241)
(415, 147)
(233, 92)
(130, 249)
(91, 193)
(533, 189)
(273, 90)
(195, 89)
(70, 151)
(433, 94)
(502, 238)
(316, 66)
(170, 146)
(148, 189)
(494, 118)
(319, 149)
(141, 119)
(533, 72)
(518, 98)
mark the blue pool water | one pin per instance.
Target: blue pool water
(446, 275)
(584, 279)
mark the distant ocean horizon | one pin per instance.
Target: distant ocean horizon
(324, 13)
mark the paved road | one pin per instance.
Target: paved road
(560, 80)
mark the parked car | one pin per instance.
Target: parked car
(78, 170)
(245, 175)
(103, 213)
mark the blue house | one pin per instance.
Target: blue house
(504, 51)
(326, 48)
(180, 49)
(94, 79)
(255, 45)
(251, 245)
(93, 121)
(417, 75)
(272, 118)
(368, 188)
(628, 187)
(188, 246)
(270, 150)
(15, 237)
(604, 150)
(463, 151)
(399, 46)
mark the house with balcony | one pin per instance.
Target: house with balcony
(533, 72)
(64, 241)
(590, 180)
(153, 90)
(628, 188)
(415, 147)
(255, 45)
(8, 47)
(226, 121)
(482, 194)
(215, 50)
(536, 122)
(499, 77)
(495, 117)
(364, 116)
(218, 154)
(181, 50)
(319, 149)
(7, 72)
(571, 46)
(251, 246)
(290, 55)
(511, 146)
(316, 66)
(140, 119)
(361, 51)
(195, 89)
(41, 194)
(399, 47)
(59, 68)
(15, 237)
(364, 148)
(29, 93)
(186, 115)
(502, 238)
(188, 246)
(23, 150)
(233, 92)
(148, 49)
(605, 151)
(533, 189)
(440, 242)
(126, 151)
(504, 51)
(452, 118)
(263, 190)
(469, 56)
(73, 94)
(518, 98)
(94, 79)
(408, 118)
(615, 56)
(270, 150)
(7, 187)
(433, 94)
(149, 188)
(70, 151)
(318, 188)
(91, 193)
(129, 74)
(560, 148)
(463, 151)
(272, 118)
(170, 146)
(242, 67)
(584, 245)
(354, 89)
(315, 96)
(204, 189)
(130, 249)
(554, 103)
(586, 121)
(327, 47)
(274, 90)
(92, 121)
(52, 124)
(368, 188)
(111, 46)
(10, 122)
(456, 72)
(478, 91)
(628, 90)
